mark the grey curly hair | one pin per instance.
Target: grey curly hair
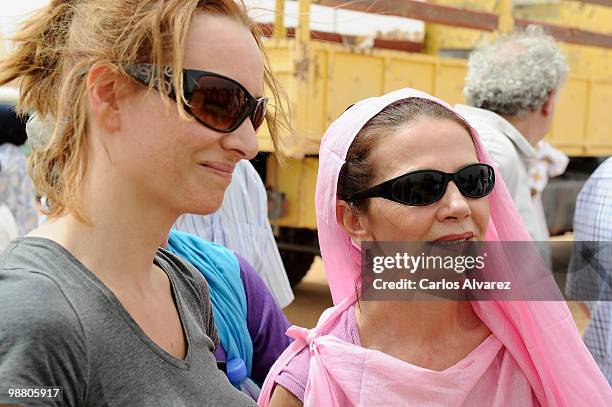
(516, 73)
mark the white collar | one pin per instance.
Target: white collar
(503, 126)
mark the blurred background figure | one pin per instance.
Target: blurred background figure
(8, 226)
(590, 269)
(16, 187)
(548, 163)
(241, 224)
(511, 88)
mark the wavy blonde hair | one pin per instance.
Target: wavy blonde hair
(59, 43)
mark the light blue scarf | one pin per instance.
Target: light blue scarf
(221, 270)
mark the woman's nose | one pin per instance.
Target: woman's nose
(243, 140)
(453, 204)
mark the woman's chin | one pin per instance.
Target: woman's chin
(207, 205)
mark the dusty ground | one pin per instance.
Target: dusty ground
(312, 297)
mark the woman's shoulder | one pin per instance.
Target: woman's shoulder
(41, 332)
(40, 266)
(29, 271)
(34, 306)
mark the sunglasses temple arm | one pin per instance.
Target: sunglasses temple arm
(380, 190)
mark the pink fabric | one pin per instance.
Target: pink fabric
(540, 336)
(478, 380)
(295, 374)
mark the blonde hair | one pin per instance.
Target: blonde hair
(59, 43)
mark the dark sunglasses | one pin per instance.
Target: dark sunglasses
(425, 187)
(218, 102)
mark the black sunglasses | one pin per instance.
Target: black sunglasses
(425, 187)
(218, 102)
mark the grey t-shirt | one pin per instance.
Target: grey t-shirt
(61, 326)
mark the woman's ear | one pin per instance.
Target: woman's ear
(353, 221)
(104, 88)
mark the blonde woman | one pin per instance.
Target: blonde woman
(155, 101)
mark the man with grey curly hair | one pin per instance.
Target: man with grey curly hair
(511, 88)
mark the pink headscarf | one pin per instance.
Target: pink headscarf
(541, 336)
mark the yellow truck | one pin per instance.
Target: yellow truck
(324, 73)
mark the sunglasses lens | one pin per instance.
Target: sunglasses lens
(476, 181)
(260, 113)
(422, 188)
(218, 102)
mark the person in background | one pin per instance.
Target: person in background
(242, 225)
(16, 187)
(511, 88)
(8, 226)
(589, 276)
(250, 324)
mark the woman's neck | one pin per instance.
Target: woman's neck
(419, 319)
(125, 232)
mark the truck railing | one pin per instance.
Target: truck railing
(479, 20)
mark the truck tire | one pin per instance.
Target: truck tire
(298, 248)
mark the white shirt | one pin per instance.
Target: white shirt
(241, 224)
(512, 154)
(548, 163)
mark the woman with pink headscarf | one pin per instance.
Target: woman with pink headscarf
(423, 353)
